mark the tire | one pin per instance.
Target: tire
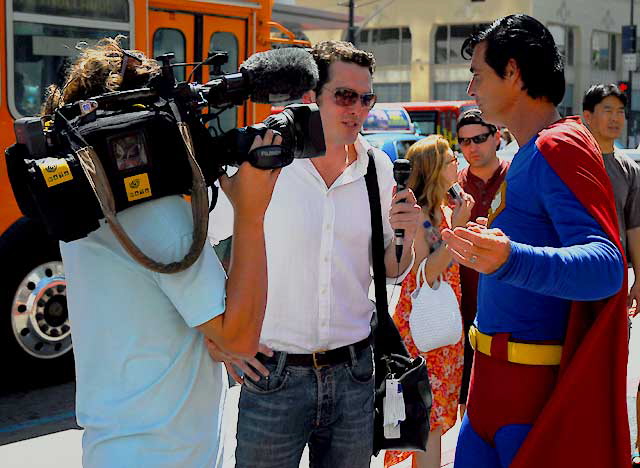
(35, 335)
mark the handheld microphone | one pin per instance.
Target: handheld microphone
(280, 75)
(401, 172)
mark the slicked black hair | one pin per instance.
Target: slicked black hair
(527, 41)
(598, 92)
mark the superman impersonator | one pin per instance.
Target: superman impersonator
(550, 337)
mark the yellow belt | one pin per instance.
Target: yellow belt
(519, 353)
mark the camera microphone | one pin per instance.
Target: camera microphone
(279, 75)
(401, 172)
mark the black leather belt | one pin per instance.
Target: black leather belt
(319, 358)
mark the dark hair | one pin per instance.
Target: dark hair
(474, 117)
(531, 45)
(327, 52)
(598, 92)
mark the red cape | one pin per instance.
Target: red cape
(585, 423)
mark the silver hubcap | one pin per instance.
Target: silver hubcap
(39, 314)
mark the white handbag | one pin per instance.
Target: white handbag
(435, 319)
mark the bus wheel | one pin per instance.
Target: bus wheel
(35, 319)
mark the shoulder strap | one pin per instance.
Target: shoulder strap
(377, 239)
(387, 339)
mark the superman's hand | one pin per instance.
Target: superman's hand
(483, 250)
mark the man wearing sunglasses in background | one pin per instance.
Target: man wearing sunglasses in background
(313, 381)
(478, 141)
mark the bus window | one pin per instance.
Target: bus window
(111, 10)
(424, 121)
(168, 40)
(227, 42)
(40, 55)
(41, 44)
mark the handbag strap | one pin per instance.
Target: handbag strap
(421, 275)
(385, 334)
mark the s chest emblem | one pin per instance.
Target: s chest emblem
(498, 203)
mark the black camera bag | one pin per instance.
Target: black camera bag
(70, 209)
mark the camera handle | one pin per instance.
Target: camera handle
(93, 169)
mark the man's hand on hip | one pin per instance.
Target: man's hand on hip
(233, 362)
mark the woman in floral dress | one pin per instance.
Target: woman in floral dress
(433, 171)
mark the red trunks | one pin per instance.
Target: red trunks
(503, 393)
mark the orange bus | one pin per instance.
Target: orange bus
(39, 37)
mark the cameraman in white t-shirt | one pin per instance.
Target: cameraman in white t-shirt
(148, 394)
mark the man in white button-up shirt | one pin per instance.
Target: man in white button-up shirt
(316, 386)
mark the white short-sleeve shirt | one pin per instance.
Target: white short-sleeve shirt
(148, 393)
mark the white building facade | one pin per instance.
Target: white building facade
(417, 43)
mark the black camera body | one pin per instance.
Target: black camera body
(295, 120)
(139, 138)
(141, 152)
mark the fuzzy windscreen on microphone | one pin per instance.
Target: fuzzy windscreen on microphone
(280, 75)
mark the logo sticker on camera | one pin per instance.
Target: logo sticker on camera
(55, 171)
(137, 187)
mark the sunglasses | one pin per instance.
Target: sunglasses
(345, 97)
(476, 139)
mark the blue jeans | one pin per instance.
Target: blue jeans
(329, 408)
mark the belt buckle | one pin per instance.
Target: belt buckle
(315, 361)
(473, 337)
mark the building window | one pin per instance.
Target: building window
(451, 91)
(390, 46)
(449, 39)
(603, 50)
(392, 92)
(564, 39)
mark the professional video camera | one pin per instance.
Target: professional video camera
(96, 157)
